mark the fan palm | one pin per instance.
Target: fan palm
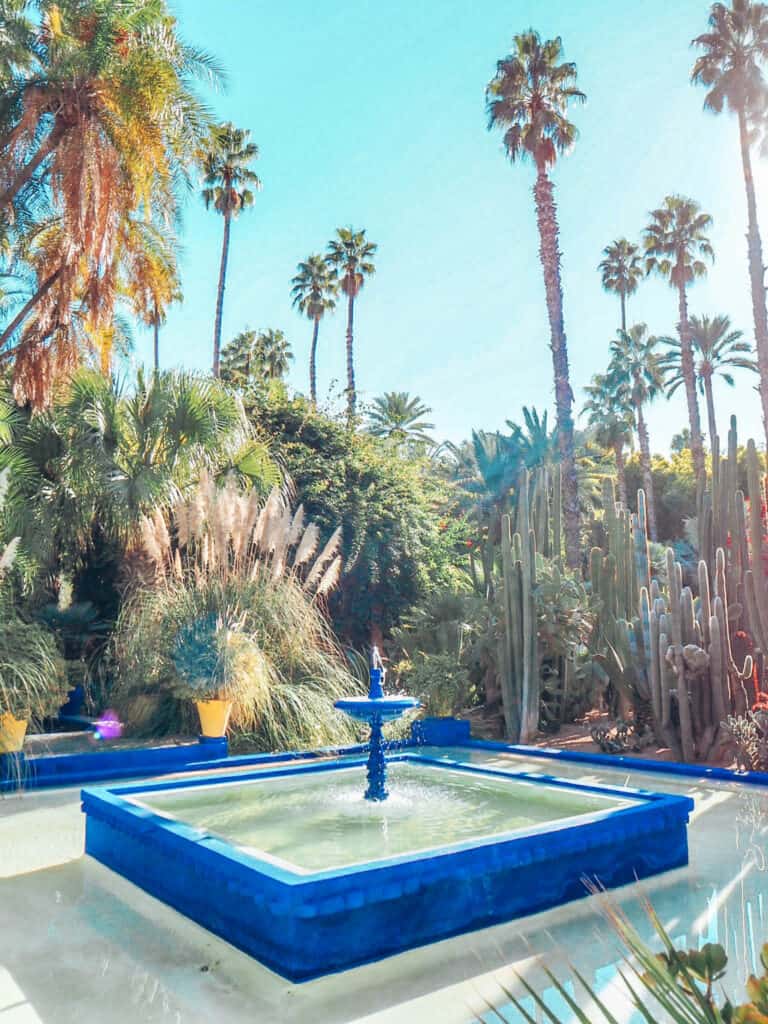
(398, 416)
(717, 350)
(230, 184)
(102, 457)
(636, 374)
(730, 67)
(621, 271)
(677, 247)
(273, 353)
(351, 255)
(611, 419)
(528, 99)
(314, 291)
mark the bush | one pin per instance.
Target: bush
(440, 682)
(33, 683)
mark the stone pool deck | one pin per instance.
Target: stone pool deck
(80, 944)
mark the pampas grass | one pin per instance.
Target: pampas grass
(233, 612)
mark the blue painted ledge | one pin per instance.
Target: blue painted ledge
(20, 772)
(443, 732)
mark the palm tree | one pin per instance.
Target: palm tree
(676, 247)
(273, 354)
(314, 291)
(351, 255)
(731, 68)
(397, 417)
(255, 357)
(102, 457)
(621, 270)
(101, 147)
(538, 445)
(229, 187)
(528, 98)
(717, 349)
(612, 422)
(637, 377)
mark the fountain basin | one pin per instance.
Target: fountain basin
(268, 861)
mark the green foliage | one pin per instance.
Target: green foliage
(33, 682)
(679, 983)
(262, 643)
(255, 357)
(442, 684)
(397, 416)
(674, 487)
(86, 470)
(398, 544)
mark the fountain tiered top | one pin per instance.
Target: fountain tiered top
(376, 709)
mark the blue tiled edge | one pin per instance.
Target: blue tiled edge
(18, 771)
(308, 924)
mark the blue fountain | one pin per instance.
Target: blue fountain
(376, 709)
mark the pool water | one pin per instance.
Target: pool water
(318, 822)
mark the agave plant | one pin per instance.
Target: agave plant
(671, 987)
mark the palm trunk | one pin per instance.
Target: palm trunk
(707, 377)
(623, 311)
(549, 254)
(313, 363)
(351, 394)
(689, 376)
(756, 269)
(27, 308)
(220, 296)
(23, 175)
(157, 341)
(621, 472)
(645, 460)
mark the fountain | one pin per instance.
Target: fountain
(376, 709)
(290, 857)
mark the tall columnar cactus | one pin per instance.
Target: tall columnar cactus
(520, 679)
(671, 652)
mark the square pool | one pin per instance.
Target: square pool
(293, 866)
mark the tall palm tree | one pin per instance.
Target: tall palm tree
(528, 98)
(677, 247)
(351, 255)
(398, 416)
(621, 271)
(636, 374)
(314, 291)
(717, 350)
(730, 66)
(230, 184)
(612, 421)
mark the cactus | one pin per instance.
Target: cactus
(672, 651)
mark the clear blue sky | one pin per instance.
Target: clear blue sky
(373, 115)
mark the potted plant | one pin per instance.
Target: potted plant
(205, 654)
(33, 683)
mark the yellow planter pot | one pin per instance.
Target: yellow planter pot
(214, 716)
(12, 733)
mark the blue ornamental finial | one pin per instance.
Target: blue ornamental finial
(377, 671)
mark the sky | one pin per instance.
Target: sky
(373, 115)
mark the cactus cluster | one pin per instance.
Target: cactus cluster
(669, 651)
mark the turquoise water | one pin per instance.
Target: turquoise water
(321, 821)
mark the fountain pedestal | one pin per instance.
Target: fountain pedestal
(376, 709)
